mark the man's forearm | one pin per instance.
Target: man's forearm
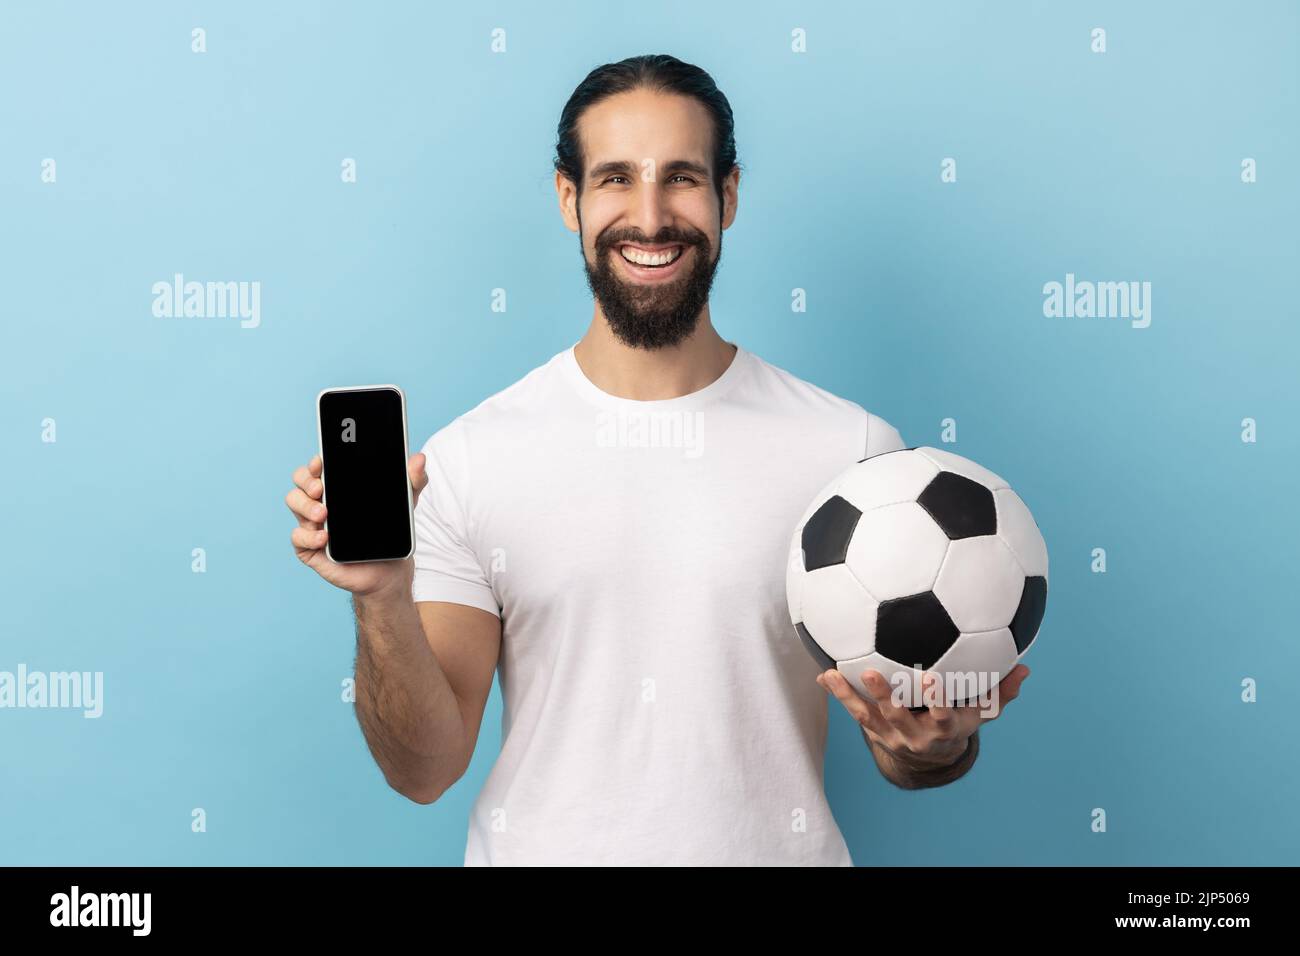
(408, 711)
(914, 776)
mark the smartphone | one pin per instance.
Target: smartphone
(367, 493)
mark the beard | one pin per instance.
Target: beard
(654, 315)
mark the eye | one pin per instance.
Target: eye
(610, 179)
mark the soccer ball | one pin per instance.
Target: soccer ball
(918, 560)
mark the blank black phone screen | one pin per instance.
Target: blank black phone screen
(363, 453)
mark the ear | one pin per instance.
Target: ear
(730, 197)
(566, 193)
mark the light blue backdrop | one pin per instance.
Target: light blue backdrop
(222, 689)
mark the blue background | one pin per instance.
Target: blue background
(222, 690)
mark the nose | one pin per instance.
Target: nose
(650, 210)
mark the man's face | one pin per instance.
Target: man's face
(648, 194)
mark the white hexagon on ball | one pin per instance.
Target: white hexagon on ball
(838, 612)
(886, 479)
(896, 550)
(980, 583)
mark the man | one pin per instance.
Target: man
(610, 534)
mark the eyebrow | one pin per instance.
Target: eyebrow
(629, 169)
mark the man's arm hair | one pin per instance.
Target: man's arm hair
(895, 768)
(422, 680)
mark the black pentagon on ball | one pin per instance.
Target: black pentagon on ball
(826, 535)
(1033, 602)
(914, 631)
(824, 661)
(961, 507)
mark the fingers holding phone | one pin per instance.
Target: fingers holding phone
(355, 500)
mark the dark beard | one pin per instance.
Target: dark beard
(652, 317)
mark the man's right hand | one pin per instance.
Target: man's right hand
(363, 579)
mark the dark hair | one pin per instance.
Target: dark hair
(659, 73)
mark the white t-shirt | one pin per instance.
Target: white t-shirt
(659, 708)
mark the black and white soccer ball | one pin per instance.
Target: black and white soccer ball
(918, 560)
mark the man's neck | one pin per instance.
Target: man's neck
(653, 374)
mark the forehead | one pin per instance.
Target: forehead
(645, 125)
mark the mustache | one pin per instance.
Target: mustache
(608, 242)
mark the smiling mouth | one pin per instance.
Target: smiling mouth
(652, 258)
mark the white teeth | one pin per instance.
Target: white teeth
(650, 259)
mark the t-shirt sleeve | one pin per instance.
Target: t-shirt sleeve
(882, 437)
(446, 567)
